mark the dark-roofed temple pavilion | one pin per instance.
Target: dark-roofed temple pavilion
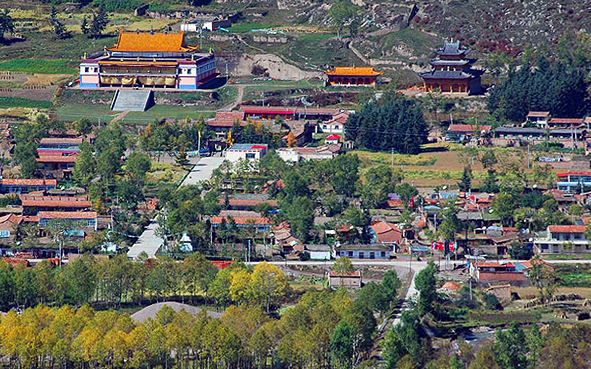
(451, 71)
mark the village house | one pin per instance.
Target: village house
(334, 125)
(285, 241)
(288, 113)
(460, 132)
(8, 227)
(319, 252)
(521, 136)
(33, 203)
(502, 292)
(565, 123)
(570, 182)
(345, 280)
(8, 185)
(59, 146)
(82, 219)
(559, 239)
(224, 121)
(491, 273)
(57, 166)
(295, 154)
(332, 139)
(387, 234)
(246, 201)
(257, 223)
(374, 251)
(538, 118)
(238, 152)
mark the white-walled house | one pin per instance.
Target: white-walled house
(245, 151)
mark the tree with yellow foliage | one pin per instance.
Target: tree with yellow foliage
(291, 141)
(268, 283)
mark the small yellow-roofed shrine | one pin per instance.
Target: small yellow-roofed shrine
(152, 41)
(358, 76)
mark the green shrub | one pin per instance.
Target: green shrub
(114, 5)
(491, 302)
(55, 66)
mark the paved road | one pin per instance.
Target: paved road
(149, 242)
(203, 170)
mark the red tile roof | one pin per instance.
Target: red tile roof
(288, 110)
(59, 140)
(566, 228)
(244, 202)
(502, 276)
(489, 265)
(29, 182)
(220, 264)
(382, 227)
(227, 119)
(567, 120)
(242, 220)
(538, 114)
(55, 201)
(14, 219)
(30, 219)
(340, 117)
(451, 286)
(566, 174)
(355, 274)
(467, 128)
(57, 159)
(68, 215)
(333, 137)
(395, 203)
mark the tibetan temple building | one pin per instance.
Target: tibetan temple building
(452, 71)
(148, 60)
(356, 76)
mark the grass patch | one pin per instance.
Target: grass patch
(72, 112)
(164, 173)
(42, 66)
(503, 318)
(249, 26)
(17, 102)
(398, 159)
(567, 257)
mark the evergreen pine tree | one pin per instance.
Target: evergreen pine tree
(466, 183)
(99, 23)
(181, 157)
(84, 27)
(58, 27)
(490, 183)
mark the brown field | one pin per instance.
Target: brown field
(528, 293)
(45, 79)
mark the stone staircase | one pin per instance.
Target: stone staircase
(132, 100)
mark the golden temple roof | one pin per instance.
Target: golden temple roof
(353, 71)
(152, 42)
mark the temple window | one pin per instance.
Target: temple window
(85, 69)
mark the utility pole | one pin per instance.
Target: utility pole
(392, 157)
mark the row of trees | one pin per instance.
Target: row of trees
(117, 281)
(392, 123)
(558, 88)
(324, 329)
